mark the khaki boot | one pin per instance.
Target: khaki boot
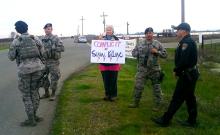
(135, 104)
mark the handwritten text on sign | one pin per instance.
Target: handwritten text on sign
(106, 51)
(130, 45)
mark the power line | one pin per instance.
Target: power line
(78, 30)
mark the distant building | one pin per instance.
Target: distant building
(167, 33)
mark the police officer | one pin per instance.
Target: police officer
(147, 52)
(28, 50)
(53, 47)
(187, 73)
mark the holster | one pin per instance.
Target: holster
(188, 75)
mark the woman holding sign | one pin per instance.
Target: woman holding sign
(109, 71)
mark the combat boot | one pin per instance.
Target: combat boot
(157, 107)
(31, 122)
(37, 118)
(46, 95)
(135, 104)
(53, 95)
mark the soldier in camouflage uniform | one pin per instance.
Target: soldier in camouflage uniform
(27, 50)
(53, 47)
(147, 52)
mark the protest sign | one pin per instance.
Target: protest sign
(107, 51)
(130, 45)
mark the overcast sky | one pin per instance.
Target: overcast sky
(65, 15)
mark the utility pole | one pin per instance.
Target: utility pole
(77, 30)
(82, 19)
(104, 15)
(127, 28)
(182, 10)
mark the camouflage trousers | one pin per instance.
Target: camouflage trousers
(28, 85)
(141, 77)
(54, 75)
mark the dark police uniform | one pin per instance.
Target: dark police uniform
(186, 70)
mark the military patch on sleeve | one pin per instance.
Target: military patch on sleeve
(184, 46)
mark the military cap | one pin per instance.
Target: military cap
(183, 26)
(149, 29)
(48, 25)
(21, 27)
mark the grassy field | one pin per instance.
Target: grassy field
(4, 45)
(211, 52)
(81, 110)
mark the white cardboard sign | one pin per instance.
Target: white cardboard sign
(130, 45)
(107, 51)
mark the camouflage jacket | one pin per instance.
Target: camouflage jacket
(29, 65)
(53, 47)
(146, 59)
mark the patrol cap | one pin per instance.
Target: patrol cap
(48, 25)
(21, 27)
(183, 26)
(149, 29)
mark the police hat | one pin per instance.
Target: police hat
(183, 26)
(149, 29)
(21, 27)
(48, 25)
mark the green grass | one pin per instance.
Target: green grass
(211, 52)
(81, 110)
(4, 46)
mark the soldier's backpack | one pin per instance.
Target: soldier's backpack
(28, 47)
(28, 55)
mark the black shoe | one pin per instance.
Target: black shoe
(188, 124)
(160, 121)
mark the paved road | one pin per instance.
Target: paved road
(11, 107)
